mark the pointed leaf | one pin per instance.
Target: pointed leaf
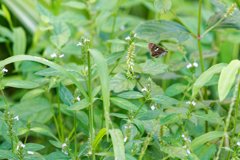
(118, 145)
(153, 68)
(99, 136)
(161, 99)
(131, 95)
(7, 154)
(162, 6)
(124, 104)
(65, 95)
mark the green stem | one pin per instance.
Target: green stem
(194, 36)
(183, 129)
(107, 151)
(236, 110)
(25, 141)
(60, 116)
(117, 62)
(75, 134)
(209, 29)
(91, 116)
(139, 109)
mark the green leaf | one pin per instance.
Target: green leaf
(161, 99)
(118, 145)
(207, 117)
(44, 131)
(139, 124)
(174, 89)
(75, 4)
(19, 43)
(46, 62)
(197, 142)
(154, 31)
(40, 9)
(58, 156)
(22, 84)
(171, 140)
(61, 28)
(104, 79)
(32, 94)
(227, 78)
(59, 40)
(206, 76)
(149, 114)
(174, 151)
(112, 57)
(121, 83)
(171, 118)
(124, 104)
(7, 154)
(6, 33)
(99, 136)
(102, 18)
(56, 143)
(131, 95)
(230, 22)
(7, 15)
(205, 54)
(219, 4)
(65, 95)
(79, 105)
(83, 149)
(207, 152)
(162, 6)
(33, 147)
(82, 116)
(153, 68)
(119, 115)
(118, 41)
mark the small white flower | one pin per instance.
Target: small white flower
(86, 40)
(135, 35)
(22, 145)
(4, 70)
(144, 89)
(66, 153)
(62, 55)
(238, 143)
(188, 152)
(127, 38)
(79, 44)
(53, 55)
(185, 139)
(130, 127)
(29, 152)
(86, 68)
(153, 107)
(16, 118)
(54, 79)
(64, 145)
(17, 147)
(189, 65)
(183, 135)
(189, 140)
(125, 127)
(125, 139)
(193, 103)
(78, 98)
(184, 146)
(195, 64)
(188, 102)
(122, 27)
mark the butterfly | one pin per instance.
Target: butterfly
(156, 51)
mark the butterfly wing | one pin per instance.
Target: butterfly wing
(156, 51)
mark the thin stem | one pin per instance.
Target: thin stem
(60, 117)
(25, 141)
(91, 116)
(75, 134)
(139, 109)
(107, 151)
(199, 17)
(236, 110)
(117, 62)
(183, 128)
(209, 29)
(194, 36)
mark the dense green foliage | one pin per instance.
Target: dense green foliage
(78, 80)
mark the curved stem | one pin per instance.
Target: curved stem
(117, 62)
(139, 109)
(209, 29)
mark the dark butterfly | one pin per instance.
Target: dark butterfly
(156, 51)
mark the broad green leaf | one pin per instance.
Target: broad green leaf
(171, 118)
(161, 99)
(207, 152)
(131, 95)
(99, 136)
(112, 57)
(119, 115)
(65, 95)
(46, 62)
(58, 156)
(154, 31)
(82, 116)
(121, 83)
(40, 9)
(59, 40)
(19, 43)
(57, 144)
(162, 6)
(104, 79)
(6, 33)
(118, 145)
(149, 114)
(79, 105)
(74, 4)
(118, 41)
(197, 142)
(174, 151)
(74, 18)
(35, 156)
(44, 131)
(153, 68)
(219, 4)
(124, 104)
(205, 54)
(33, 147)
(29, 66)
(7, 154)
(139, 125)
(175, 89)
(230, 22)
(102, 18)
(207, 117)
(142, 44)
(37, 110)
(22, 84)
(172, 140)
(83, 149)
(206, 76)
(32, 94)
(227, 78)
(61, 28)
(7, 15)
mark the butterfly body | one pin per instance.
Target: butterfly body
(156, 51)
